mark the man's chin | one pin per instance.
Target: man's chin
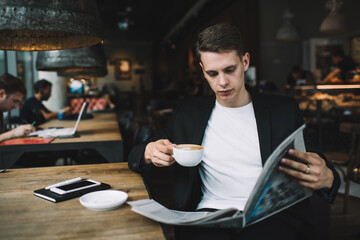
(225, 100)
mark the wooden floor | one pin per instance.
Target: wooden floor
(345, 226)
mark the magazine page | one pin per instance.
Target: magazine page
(273, 191)
(155, 211)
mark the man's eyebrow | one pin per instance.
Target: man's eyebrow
(231, 66)
(227, 67)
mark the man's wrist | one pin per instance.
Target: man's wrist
(331, 179)
(12, 133)
(147, 157)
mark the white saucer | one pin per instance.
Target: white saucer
(103, 200)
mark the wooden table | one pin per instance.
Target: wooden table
(100, 133)
(25, 216)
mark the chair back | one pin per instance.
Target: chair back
(129, 138)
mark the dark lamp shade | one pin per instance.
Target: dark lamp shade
(48, 25)
(287, 32)
(334, 23)
(72, 60)
(102, 72)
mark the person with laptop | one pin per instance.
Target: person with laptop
(12, 91)
(34, 111)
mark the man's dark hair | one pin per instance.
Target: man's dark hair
(297, 69)
(338, 53)
(12, 84)
(41, 84)
(3, 85)
(218, 38)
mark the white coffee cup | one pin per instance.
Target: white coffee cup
(188, 155)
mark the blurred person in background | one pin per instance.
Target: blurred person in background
(12, 91)
(34, 111)
(341, 65)
(298, 76)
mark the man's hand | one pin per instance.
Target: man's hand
(67, 110)
(311, 173)
(22, 130)
(159, 153)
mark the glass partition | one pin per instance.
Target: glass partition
(2, 62)
(25, 70)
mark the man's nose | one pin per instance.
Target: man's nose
(223, 80)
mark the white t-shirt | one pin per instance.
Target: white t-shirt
(232, 162)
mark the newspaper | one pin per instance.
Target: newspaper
(273, 192)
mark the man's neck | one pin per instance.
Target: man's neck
(38, 96)
(246, 99)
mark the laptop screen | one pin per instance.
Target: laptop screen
(82, 111)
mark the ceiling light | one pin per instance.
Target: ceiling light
(102, 72)
(48, 25)
(72, 60)
(287, 31)
(335, 21)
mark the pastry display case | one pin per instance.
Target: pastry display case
(324, 107)
(335, 100)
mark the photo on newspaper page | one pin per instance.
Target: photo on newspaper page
(274, 191)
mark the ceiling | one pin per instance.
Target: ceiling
(153, 20)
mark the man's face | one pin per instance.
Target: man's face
(336, 59)
(225, 74)
(10, 101)
(46, 93)
(296, 75)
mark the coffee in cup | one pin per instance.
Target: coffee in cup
(188, 155)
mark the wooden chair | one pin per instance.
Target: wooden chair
(129, 137)
(346, 159)
(159, 118)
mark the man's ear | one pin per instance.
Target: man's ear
(2, 94)
(202, 68)
(246, 61)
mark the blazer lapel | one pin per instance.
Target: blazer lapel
(205, 111)
(263, 122)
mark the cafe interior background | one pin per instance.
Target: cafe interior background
(145, 63)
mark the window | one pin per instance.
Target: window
(2, 62)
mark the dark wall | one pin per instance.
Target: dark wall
(175, 61)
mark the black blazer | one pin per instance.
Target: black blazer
(276, 118)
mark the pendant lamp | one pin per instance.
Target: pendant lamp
(48, 25)
(102, 72)
(335, 21)
(72, 60)
(287, 31)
